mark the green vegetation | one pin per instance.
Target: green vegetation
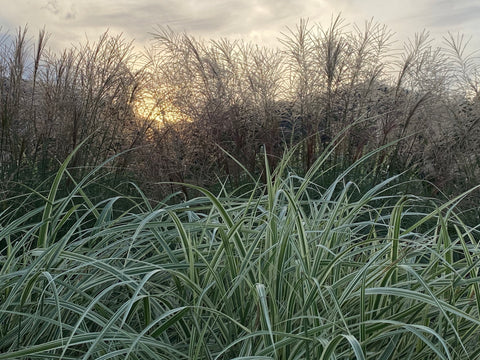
(286, 270)
(315, 201)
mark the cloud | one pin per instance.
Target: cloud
(447, 14)
(63, 10)
(69, 21)
(261, 20)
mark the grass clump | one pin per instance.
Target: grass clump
(287, 270)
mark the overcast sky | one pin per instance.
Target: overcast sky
(262, 21)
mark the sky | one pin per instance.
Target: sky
(261, 21)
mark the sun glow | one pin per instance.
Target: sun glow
(159, 108)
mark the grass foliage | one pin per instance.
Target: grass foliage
(287, 270)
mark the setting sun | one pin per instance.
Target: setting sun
(157, 107)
